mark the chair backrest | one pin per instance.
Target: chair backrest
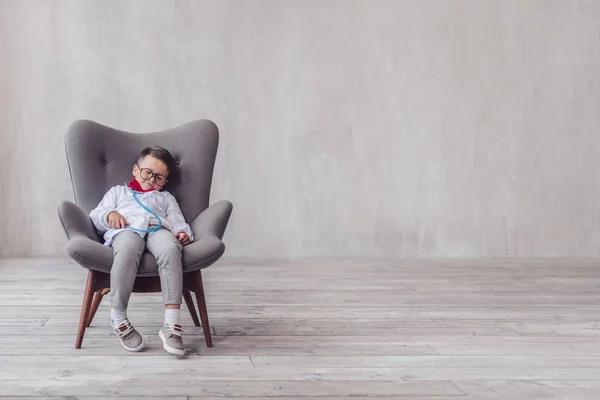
(100, 157)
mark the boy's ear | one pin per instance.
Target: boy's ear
(174, 179)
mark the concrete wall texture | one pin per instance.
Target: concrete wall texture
(392, 128)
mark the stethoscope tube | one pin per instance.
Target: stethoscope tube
(148, 210)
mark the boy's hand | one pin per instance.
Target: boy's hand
(183, 238)
(116, 220)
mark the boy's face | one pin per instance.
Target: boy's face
(151, 173)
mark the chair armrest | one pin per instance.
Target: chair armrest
(213, 220)
(76, 222)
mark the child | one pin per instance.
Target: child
(140, 216)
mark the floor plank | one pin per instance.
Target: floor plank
(319, 329)
(231, 388)
(532, 390)
(338, 312)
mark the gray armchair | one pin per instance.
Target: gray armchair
(100, 157)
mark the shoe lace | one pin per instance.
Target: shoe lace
(124, 328)
(174, 329)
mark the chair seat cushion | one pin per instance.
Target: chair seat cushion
(97, 257)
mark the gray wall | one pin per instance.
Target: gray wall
(349, 128)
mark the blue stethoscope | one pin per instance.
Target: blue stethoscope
(150, 211)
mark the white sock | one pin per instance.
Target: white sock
(171, 316)
(117, 316)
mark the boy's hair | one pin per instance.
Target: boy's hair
(159, 153)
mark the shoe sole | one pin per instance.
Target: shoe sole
(168, 348)
(136, 349)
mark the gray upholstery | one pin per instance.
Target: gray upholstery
(100, 157)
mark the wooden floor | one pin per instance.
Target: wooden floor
(329, 329)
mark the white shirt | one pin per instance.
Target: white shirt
(120, 199)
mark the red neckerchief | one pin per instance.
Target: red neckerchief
(135, 185)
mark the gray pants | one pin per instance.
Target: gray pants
(128, 248)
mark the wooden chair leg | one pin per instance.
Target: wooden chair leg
(187, 296)
(85, 308)
(98, 296)
(202, 306)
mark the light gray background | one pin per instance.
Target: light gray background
(349, 128)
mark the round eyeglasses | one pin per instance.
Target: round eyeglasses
(147, 175)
